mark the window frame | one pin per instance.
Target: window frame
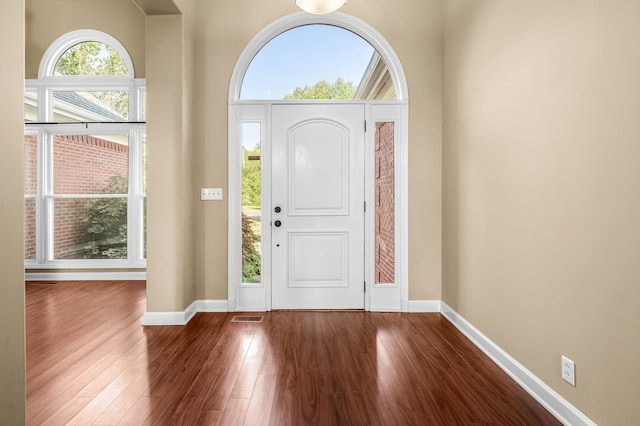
(48, 83)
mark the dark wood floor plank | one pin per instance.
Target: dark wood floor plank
(67, 346)
(262, 400)
(211, 418)
(129, 364)
(425, 399)
(220, 389)
(105, 398)
(90, 362)
(138, 413)
(43, 404)
(124, 401)
(66, 412)
(286, 328)
(314, 390)
(234, 413)
(351, 347)
(248, 373)
(427, 376)
(191, 350)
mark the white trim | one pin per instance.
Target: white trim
(420, 306)
(383, 299)
(234, 209)
(182, 318)
(241, 296)
(85, 276)
(68, 40)
(169, 318)
(240, 109)
(190, 312)
(388, 297)
(402, 239)
(562, 409)
(212, 306)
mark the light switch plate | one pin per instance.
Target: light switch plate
(210, 194)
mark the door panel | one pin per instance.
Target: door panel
(318, 183)
(318, 259)
(319, 164)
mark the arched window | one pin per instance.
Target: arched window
(317, 62)
(91, 58)
(85, 145)
(86, 47)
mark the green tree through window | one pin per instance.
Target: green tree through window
(251, 193)
(323, 90)
(92, 58)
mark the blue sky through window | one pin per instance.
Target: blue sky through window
(303, 56)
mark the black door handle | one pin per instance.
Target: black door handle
(277, 223)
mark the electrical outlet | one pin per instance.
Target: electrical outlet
(568, 371)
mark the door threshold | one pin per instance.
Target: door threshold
(319, 310)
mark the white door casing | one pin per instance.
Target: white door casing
(317, 239)
(257, 297)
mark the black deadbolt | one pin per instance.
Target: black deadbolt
(277, 209)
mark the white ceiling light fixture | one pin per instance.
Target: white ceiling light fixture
(320, 7)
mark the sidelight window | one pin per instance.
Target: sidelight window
(384, 203)
(251, 203)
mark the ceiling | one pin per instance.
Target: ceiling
(148, 7)
(157, 7)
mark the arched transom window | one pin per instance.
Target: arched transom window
(317, 62)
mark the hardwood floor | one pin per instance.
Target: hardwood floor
(89, 362)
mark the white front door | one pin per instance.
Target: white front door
(317, 206)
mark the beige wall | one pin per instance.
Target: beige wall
(174, 127)
(167, 203)
(12, 327)
(47, 20)
(542, 196)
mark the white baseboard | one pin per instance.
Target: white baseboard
(212, 306)
(562, 409)
(424, 306)
(191, 310)
(84, 276)
(182, 318)
(165, 318)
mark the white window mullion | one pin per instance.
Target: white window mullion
(45, 188)
(133, 210)
(139, 90)
(43, 103)
(133, 102)
(131, 255)
(36, 197)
